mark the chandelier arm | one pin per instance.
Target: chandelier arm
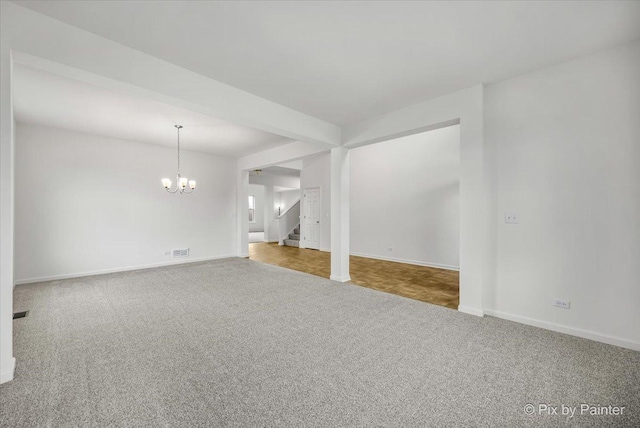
(177, 185)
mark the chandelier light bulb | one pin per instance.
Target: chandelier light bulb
(183, 182)
(192, 184)
(166, 183)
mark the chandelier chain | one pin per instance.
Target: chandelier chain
(179, 150)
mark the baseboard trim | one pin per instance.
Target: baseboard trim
(120, 269)
(471, 311)
(8, 375)
(340, 278)
(409, 262)
(585, 334)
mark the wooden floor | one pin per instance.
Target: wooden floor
(431, 285)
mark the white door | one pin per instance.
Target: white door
(311, 219)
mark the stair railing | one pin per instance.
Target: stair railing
(288, 221)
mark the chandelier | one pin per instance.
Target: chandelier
(181, 182)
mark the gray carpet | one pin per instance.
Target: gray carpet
(240, 343)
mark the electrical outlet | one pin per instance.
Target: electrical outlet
(182, 252)
(511, 217)
(564, 304)
(167, 253)
(390, 249)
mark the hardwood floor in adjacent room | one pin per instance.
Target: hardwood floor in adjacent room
(431, 285)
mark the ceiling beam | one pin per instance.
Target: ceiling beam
(425, 116)
(278, 155)
(69, 51)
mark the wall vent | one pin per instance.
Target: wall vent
(22, 314)
(183, 252)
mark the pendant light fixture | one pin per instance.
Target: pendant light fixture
(181, 182)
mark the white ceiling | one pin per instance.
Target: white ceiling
(47, 99)
(347, 61)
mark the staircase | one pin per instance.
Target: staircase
(294, 238)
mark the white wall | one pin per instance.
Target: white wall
(405, 196)
(286, 199)
(257, 191)
(271, 229)
(92, 204)
(563, 152)
(316, 172)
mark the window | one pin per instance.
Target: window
(252, 209)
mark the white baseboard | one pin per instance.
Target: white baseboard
(120, 269)
(7, 376)
(471, 311)
(340, 278)
(409, 262)
(585, 334)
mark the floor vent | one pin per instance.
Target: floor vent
(184, 252)
(20, 314)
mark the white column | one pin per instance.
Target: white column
(7, 153)
(474, 244)
(269, 225)
(340, 166)
(242, 212)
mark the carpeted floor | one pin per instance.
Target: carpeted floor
(239, 343)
